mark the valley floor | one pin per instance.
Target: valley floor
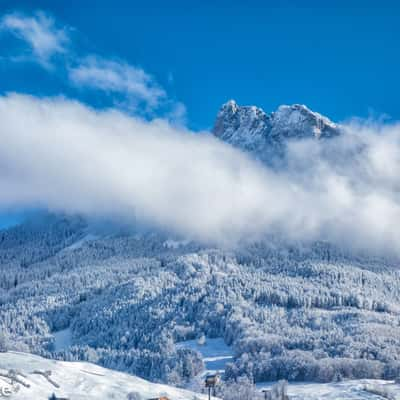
(346, 390)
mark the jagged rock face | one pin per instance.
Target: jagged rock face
(298, 122)
(265, 135)
(243, 126)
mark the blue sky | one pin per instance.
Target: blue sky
(341, 59)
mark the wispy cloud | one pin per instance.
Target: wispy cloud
(40, 32)
(75, 159)
(127, 86)
(117, 77)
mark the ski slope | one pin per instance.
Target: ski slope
(78, 381)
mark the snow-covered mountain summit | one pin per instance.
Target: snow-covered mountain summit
(242, 126)
(264, 135)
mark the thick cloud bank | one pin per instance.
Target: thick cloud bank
(64, 156)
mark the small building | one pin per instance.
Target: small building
(54, 397)
(159, 398)
(212, 380)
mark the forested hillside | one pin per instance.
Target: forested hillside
(301, 311)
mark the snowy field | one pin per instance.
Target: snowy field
(215, 353)
(78, 381)
(346, 390)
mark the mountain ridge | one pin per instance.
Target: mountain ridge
(264, 135)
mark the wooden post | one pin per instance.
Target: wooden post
(266, 394)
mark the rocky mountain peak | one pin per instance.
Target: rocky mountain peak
(298, 121)
(264, 135)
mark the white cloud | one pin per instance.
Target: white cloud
(40, 32)
(128, 86)
(117, 77)
(64, 156)
(177, 114)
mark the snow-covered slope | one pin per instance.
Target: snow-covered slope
(78, 380)
(363, 389)
(124, 301)
(85, 381)
(244, 127)
(264, 135)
